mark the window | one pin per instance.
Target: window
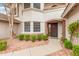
(36, 5)
(27, 26)
(36, 26)
(16, 9)
(26, 5)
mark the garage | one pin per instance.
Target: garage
(4, 26)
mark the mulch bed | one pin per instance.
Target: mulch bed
(15, 44)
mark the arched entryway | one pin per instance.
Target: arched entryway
(55, 28)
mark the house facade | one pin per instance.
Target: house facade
(41, 18)
(71, 14)
(36, 18)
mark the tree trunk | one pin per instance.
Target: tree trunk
(10, 18)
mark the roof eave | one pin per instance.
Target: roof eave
(67, 9)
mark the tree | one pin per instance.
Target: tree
(10, 14)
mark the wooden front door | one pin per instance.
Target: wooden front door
(54, 29)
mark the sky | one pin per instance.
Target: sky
(2, 9)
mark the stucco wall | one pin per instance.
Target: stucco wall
(59, 30)
(4, 29)
(74, 16)
(41, 16)
(53, 14)
(32, 16)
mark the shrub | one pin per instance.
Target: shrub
(73, 26)
(21, 36)
(26, 37)
(63, 39)
(44, 37)
(67, 44)
(75, 50)
(3, 45)
(39, 37)
(76, 34)
(33, 37)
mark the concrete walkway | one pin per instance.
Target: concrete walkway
(42, 50)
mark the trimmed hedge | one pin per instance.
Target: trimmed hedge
(67, 44)
(44, 37)
(21, 36)
(32, 37)
(27, 37)
(3, 45)
(39, 37)
(75, 50)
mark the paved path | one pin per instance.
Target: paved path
(42, 50)
(62, 52)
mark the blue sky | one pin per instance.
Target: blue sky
(2, 9)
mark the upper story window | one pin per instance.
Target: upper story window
(26, 5)
(36, 26)
(36, 5)
(16, 9)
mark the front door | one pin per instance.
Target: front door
(54, 30)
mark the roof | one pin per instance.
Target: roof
(4, 17)
(68, 9)
(48, 6)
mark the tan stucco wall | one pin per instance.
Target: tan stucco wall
(74, 16)
(4, 29)
(59, 30)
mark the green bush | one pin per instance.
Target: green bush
(21, 36)
(39, 37)
(76, 34)
(75, 50)
(63, 39)
(26, 37)
(3, 45)
(44, 37)
(73, 26)
(33, 37)
(67, 44)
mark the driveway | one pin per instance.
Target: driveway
(42, 50)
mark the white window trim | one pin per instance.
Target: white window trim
(17, 11)
(24, 27)
(32, 6)
(37, 8)
(39, 29)
(27, 8)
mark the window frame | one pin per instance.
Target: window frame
(27, 7)
(17, 10)
(36, 6)
(27, 27)
(36, 27)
